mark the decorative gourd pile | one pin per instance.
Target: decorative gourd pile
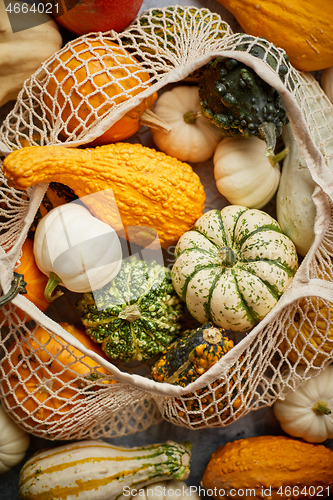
(236, 268)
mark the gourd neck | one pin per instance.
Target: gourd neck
(267, 130)
(227, 256)
(52, 283)
(18, 285)
(320, 408)
(190, 117)
(130, 313)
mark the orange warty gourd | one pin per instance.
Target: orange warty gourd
(35, 281)
(73, 80)
(275, 467)
(303, 28)
(37, 387)
(154, 193)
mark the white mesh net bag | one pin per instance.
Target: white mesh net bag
(52, 384)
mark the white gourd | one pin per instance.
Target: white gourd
(74, 248)
(295, 209)
(98, 470)
(233, 266)
(243, 174)
(165, 490)
(14, 442)
(307, 412)
(191, 138)
(326, 82)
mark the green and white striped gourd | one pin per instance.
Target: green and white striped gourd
(98, 470)
(233, 267)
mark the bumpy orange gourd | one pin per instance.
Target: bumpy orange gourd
(303, 28)
(154, 193)
(41, 377)
(274, 467)
(74, 78)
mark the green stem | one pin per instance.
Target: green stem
(227, 256)
(190, 117)
(52, 283)
(18, 285)
(268, 132)
(279, 156)
(130, 313)
(320, 408)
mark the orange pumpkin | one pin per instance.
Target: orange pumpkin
(35, 282)
(43, 380)
(74, 80)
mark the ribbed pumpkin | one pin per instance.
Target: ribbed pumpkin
(301, 27)
(40, 377)
(306, 341)
(233, 266)
(73, 86)
(35, 282)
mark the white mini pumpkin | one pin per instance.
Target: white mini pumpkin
(243, 174)
(14, 442)
(307, 412)
(74, 248)
(191, 138)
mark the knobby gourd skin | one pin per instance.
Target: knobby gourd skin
(234, 98)
(149, 189)
(303, 28)
(136, 315)
(264, 462)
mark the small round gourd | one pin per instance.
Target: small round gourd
(243, 174)
(74, 248)
(191, 138)
(14, 442)
(233, 266)
(307, 412)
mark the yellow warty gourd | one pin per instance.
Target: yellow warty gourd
(132, 185)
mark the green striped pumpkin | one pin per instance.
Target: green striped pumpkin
(98, 470)
(233, 266)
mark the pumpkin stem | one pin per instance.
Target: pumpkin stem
(130, 313)
(268, 132)
(17, 286)
(320, 408)
(227, 256)
(279, 156)
(190, 117)
(52, 283)
(212, 335)
(150, 119)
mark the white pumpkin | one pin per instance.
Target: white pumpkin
(307, 412)
(191, 138)
(74, 248)
(243, 174)
(14, 442)
(233, 266)
(164, 490)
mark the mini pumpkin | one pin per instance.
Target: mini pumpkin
(42, 377)
(233, 266)
(14, 442)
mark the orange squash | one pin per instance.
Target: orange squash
(303, 28)
(42, 377)
(35, 282)
(72, 79)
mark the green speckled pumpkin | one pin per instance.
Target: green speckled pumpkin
(136, 315)
(233, 267)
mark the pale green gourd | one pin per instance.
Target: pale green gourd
(295, 208)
